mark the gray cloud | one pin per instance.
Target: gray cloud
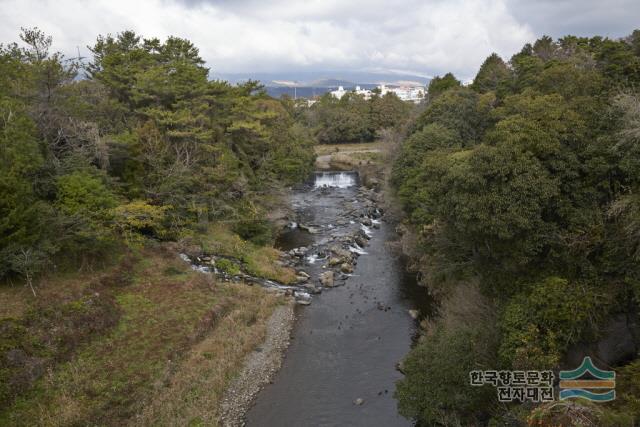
(423, 36)
(611, 18)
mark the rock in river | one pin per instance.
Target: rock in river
(326, 279)
(346, 268)
(333, 261)
(341, 253)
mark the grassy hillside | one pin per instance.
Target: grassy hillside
(145, 341)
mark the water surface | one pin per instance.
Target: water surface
(347, 343)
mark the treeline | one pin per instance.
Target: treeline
(137, 143)
(524, 192)
(353, 118)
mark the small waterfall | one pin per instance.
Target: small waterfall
(335, 179)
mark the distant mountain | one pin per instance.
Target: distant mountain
(324, 79)
(309, 84)
(331, 83)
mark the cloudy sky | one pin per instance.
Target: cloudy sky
(425, 37)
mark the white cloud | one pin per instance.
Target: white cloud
(425, 36)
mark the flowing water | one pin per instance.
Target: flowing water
(346, 344)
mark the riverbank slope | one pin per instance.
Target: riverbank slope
(145, 340)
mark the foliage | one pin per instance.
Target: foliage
(139, 218)
(145, 146)
(493, 75)
(257, 231)
(539, 327)
(527, 181)
(82, 194)
(435, 389)
(354, 119)
(459, 110)
(22, 214)
(227, 266)
(578, 413)
(438, 85)
(628, 389)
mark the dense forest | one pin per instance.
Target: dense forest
(104, 164)
(353, 118)
(521, 192)
(137, 142)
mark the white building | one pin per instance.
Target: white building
(413, 94)
(340, 92)
(363, 92)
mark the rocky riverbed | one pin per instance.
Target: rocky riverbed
(340, 368)
(356, 318)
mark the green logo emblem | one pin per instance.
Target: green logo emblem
(572, 386)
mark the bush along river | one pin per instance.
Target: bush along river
(341, 366)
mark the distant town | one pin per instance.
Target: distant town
(406, 91)
(413, 94)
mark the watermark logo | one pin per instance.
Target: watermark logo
(533, 386)
(571, 386)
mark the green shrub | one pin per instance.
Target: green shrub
(255, 230)
(139, 218)
(81, 193)
(628, 389)
(538, 327)
(227, 266)
(436, 388)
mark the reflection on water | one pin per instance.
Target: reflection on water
(293, 238)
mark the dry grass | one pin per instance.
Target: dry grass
(179, 340)
(322, 149)
(14, 301)
(193, 394)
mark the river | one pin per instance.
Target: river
(340, 369)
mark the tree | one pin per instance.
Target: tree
(438, 85)
(21, 212)
(459, 110)
(526, 182)
(388, 111)
(493, 74)
(435, 389)
(28, 262)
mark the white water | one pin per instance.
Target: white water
(196, 267)
(335, 179)
(356, 249)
